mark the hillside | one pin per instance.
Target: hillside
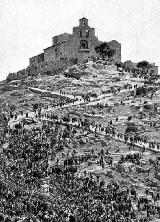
(85, 130)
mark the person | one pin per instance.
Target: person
(143, 149)
(92, 151)
(148, 170)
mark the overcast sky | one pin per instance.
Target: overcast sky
(27, 26)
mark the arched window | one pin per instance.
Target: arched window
(84, 44)
(87, 33)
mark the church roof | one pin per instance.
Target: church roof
(83, 18)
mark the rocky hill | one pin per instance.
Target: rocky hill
(94, 120)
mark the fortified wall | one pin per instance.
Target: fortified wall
(22, 74)
(51, 67)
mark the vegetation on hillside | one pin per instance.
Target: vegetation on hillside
(105, 51)
(143, 65)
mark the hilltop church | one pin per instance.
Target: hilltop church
(79, 46)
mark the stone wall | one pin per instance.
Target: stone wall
(52, 67)
(36, 59)
(60, 38)
(117, 47)
(49, 54)
(56, 52)
(46, 93)
(17, 75)
(10, 88)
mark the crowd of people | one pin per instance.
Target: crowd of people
(29, 158)
(26, 161)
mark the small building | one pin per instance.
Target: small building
(153, 69)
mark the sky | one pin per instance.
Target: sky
(27, 27)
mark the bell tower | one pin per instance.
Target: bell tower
(83, 33)
(83, 22)
(84, 40)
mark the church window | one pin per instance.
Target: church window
(84, 44)
(80, 33)
(87, 33)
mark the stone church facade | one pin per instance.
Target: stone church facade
(79, 46)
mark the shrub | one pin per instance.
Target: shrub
(131, 127)
(141, 91)
(104, 50)
(129, 118)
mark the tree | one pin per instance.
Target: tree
(119, 64)
(143, 65)
(104, 50)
